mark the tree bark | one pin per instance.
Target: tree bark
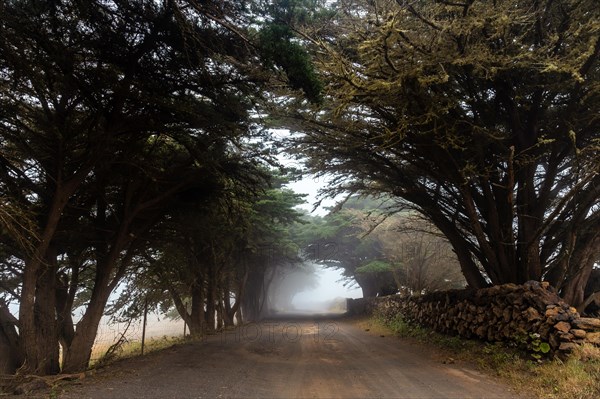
(11, 356)
(41, 357)
(77, 356)
(8, 364)
(64, 305)
(227, 311)
(197, 323)
(367, 285)
(468, 267)
(251, 300)
(211, 297)
(573, 290)
(45, 352)
(234, 310)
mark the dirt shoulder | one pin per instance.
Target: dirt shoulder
(290, 358)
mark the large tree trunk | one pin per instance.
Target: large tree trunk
(37, 323)
(43, 357)
(573, 291)
(195, 317)
(78, 353)
(66, 328)
(239, 317)
(227, 311)
(211, 297)
(220, 312)
(235, 309)
(8, 363)
(195, 328)
(367, 285)
(11, 356)
(468, 267)
(66, 289)
(197, 323)
(251, 303)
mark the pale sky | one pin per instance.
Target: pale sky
(310, 185)
(330, 287)
(330, 280)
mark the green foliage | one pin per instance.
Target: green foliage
(383, 252)
(403, 328)
(498, 355)
(375, 266)
(577, 377)
(235, 240)
(533, 345)
(279, 46)
(479, 115)
(125, 129)
(338, 241)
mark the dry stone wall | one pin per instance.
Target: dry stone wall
(501, 313)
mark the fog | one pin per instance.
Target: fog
(321, 292)
(331, 289)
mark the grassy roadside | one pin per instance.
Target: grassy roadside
(105, 354)
(577, 377)
(31, 386)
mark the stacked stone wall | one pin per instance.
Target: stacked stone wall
(501, 313)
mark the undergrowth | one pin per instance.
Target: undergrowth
(128, 349)
(576, 377)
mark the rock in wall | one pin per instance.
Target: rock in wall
(500, 313)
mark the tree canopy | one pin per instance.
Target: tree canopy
(481, 115)
(383, 253)
(112, 115)
(133, 147)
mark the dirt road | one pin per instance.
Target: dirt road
(290, 358)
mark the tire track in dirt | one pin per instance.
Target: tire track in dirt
(290, 358)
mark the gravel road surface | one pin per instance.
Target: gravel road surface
(310, 357)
